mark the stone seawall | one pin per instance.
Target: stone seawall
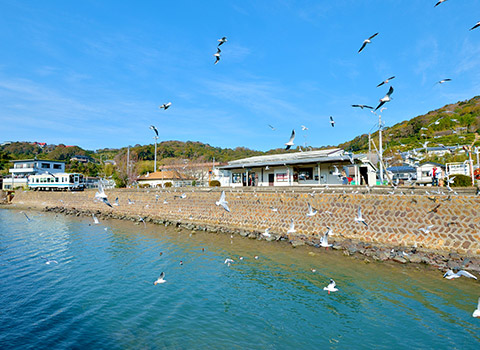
(451, 223)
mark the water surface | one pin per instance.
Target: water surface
(101, 294)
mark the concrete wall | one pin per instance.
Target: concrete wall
(394, 220)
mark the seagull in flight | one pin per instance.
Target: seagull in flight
(222, 40)
(332, 122)
(290, 142)
(304, 128)
(311, 210)
(102, 196)
(426, 230)
(267, 233)
(386, 98)
(443, 81)
(292, 227)
(362, 106)
(95, 219)
(439, 2)
(359, 217)
(165, 106)
(155, 130)
(160, 279)
(217, 55)
(331, 287)
(28, 219)
(116, 202)
(386, 81)
(476, 313)
(271, 127)
(228, 261)
(475, 26)
(49, 261)
(367, 41)
(142, 220)
(336, 172)
(223, 202)
(324, 239)
(450, 274)
(130, 201)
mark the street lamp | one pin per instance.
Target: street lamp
(155, 138)
(380, 151)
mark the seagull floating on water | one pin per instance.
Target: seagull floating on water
(160, 279)
(290, 142)
(476, 313)
(165, 106)
(331, 287)
(386, 98)
(223, 202)
(450, 274)
(228, 261)
(367, 41)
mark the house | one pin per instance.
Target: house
(26, 167)
(81, 159)
(160, 178)
(200, 172)
(323, 167)
(403, 172)
(424, 171)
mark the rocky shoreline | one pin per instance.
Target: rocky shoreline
(366, 251)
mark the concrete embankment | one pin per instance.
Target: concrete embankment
(441, 230)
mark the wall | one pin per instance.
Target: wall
(394, 220)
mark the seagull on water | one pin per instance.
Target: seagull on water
(160, 279)
(290, 142)
(450, 274)
(95, 219)
(165, 106)
(362, 106)
(228, 261)
(324, 239)
(332, 122)
(292, 227)
(476, 313)
(386, 98)
(331, 287)
(222, 40)
(217, 55)
(223, 202)
(386, 81)
(49, 261)
(367, 41)
(311, 210)
(359, 217)
(475, 26)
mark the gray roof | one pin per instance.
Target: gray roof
(322, 156)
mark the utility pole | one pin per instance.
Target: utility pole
(128, 165)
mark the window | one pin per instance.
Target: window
(281, 177)
(57, 166)
(45, 166)
(236, 178)
(305, 174)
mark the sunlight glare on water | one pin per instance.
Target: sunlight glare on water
(101, 293)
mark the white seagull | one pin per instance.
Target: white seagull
(100, 194)
(95, 220)
(130, 201)
(272, 127)
(450, 274)
(331, 287)
(336, 172)
(223, 202)
(49, 261)
(324, 239)
(359, 217)
(304, 128)
(222, 40)
(290, 142)
(160, 279)
(426, 230)
(292, 227)
(142, 220)
(217, 55)
(116, 202)
(476, 313)
(267, 233)
(155, 130)
(386, 81)
(362, 106)
(439, 2)
(367, 41)
(165, 105)
(386, 98)
(311, 210)
(228, 261)
(332, 122)
(475, 26)
(443, 81)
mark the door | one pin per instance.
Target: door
(271, 179)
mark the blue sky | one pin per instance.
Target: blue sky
(93, 73)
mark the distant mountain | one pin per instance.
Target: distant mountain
(453, 124)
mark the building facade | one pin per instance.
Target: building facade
(22, 169)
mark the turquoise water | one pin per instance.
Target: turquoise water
(101, 295)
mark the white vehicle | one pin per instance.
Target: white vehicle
(56, 182)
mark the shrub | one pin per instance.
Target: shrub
(462, 181)
(168, 184)
(214, 183)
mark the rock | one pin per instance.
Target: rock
(400, 259)
(297, 243)
(337, 247)
(414, 258)
(346, 253)
(383, 256)
(366, 261)
(311, 253)
(271, 238)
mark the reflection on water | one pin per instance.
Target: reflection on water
(101, 294)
